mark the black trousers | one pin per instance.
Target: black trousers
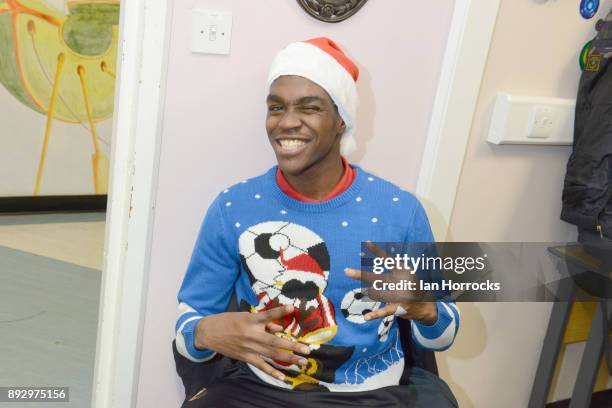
(239, 387)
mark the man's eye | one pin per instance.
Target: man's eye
(274, 108)
(311, 108)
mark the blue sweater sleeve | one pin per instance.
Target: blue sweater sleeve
(441, 335)
(208, 283)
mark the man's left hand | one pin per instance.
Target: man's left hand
(402, 303)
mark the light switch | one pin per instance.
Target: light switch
(212, 31)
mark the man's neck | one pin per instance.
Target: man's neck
(319, 180)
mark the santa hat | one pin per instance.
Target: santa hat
(323, 62)
(302, 262)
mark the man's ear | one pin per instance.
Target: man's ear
(342, 126)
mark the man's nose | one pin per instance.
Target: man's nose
(290, 120)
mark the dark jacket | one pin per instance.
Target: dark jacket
(587, 191)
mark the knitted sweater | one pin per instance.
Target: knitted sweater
(274, 250)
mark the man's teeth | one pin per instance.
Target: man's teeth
(291, 143)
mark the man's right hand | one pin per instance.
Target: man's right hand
(248, 337)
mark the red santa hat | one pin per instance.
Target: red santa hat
(323, 62)
(302, 262)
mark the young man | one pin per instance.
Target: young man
(288, 244)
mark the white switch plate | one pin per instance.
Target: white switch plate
(532, 120)
(212, 31)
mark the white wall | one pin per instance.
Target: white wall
(513, 193)
(213, 132)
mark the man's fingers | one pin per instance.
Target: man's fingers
(380, 253)
(382, 312)
(281, 355)
(260, 363)
(394, 296)
(273, 327)
(274, 314)
(280, 343)
(376, 250)
(363, 276)
(281, 349)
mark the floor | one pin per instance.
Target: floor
(74, 238)
(49, 294)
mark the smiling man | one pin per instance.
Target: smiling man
(287, 243)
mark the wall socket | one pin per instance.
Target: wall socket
(532, 120)
(542, 122)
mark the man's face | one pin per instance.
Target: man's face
(303, 124)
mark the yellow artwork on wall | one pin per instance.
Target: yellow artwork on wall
(62, 65)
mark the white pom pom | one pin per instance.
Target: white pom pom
(348, 145)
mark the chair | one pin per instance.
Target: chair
(590, 267)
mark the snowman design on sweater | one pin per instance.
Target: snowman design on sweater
(288, 264)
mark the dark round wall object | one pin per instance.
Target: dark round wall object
(331, 11)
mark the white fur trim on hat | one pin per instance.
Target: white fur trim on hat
(309, 61)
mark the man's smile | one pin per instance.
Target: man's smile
(291, 146)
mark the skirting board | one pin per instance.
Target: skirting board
(53, 203)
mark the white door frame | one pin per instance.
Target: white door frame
(463, 67)
(139, 101)
(145, 27)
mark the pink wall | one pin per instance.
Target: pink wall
(213, 132)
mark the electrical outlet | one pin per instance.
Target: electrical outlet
(542, 122)
(532, 120)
